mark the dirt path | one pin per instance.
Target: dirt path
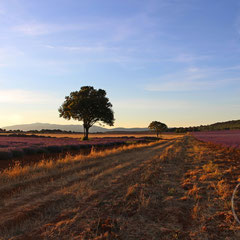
(179, 189)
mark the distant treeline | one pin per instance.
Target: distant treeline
(229, 125)
(52, 131)
(37, 131)
(235, 124)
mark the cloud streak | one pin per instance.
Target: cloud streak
(188, 58)
(38, 29)
(20, 96)
(192, 79)
(150, 104)
(88, 48)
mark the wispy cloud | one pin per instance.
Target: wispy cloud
(148, 104)
(188, 58)
(184, 85)
(20, 96)
(120, 30)
(191, 79)
(33, 29)
(88, 48)
(37, 29)
(110, 29)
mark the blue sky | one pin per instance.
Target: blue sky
(174, 61)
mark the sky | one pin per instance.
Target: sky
(173, 61)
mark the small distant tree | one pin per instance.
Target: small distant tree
(158, 127)
(88, 105)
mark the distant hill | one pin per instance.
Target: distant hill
(228, 125)
(234, 124)
(40, 126)
(72, 127)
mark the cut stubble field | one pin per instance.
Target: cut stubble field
(171, 189)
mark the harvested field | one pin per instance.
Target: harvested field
(171, 189)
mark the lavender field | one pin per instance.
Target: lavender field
(15, 146)
(227, 138)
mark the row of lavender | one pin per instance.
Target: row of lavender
(13, 147)
(228, 138)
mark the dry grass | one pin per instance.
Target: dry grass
(43, 167)
(175, 189)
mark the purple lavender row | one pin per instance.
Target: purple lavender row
(225, 138)
(14, 147)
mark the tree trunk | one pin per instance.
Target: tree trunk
(86, 133)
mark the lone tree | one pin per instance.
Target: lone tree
(158, 127)
(88, 105)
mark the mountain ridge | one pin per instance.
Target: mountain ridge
(69, 127)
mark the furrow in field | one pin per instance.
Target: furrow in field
(10, 190)
(181, 193)
(56, 202)
(31, 197)
(113, 192)
(67, 179)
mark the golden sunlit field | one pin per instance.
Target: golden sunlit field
(177, 188)
(171, 189)
(102, 135)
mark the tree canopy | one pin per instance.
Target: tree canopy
(158, 127)
(88, 105)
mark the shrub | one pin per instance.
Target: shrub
(30, 150)
(42, 150)
(75, 147)
(4, 155)
(17, 153)
(54, 149)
